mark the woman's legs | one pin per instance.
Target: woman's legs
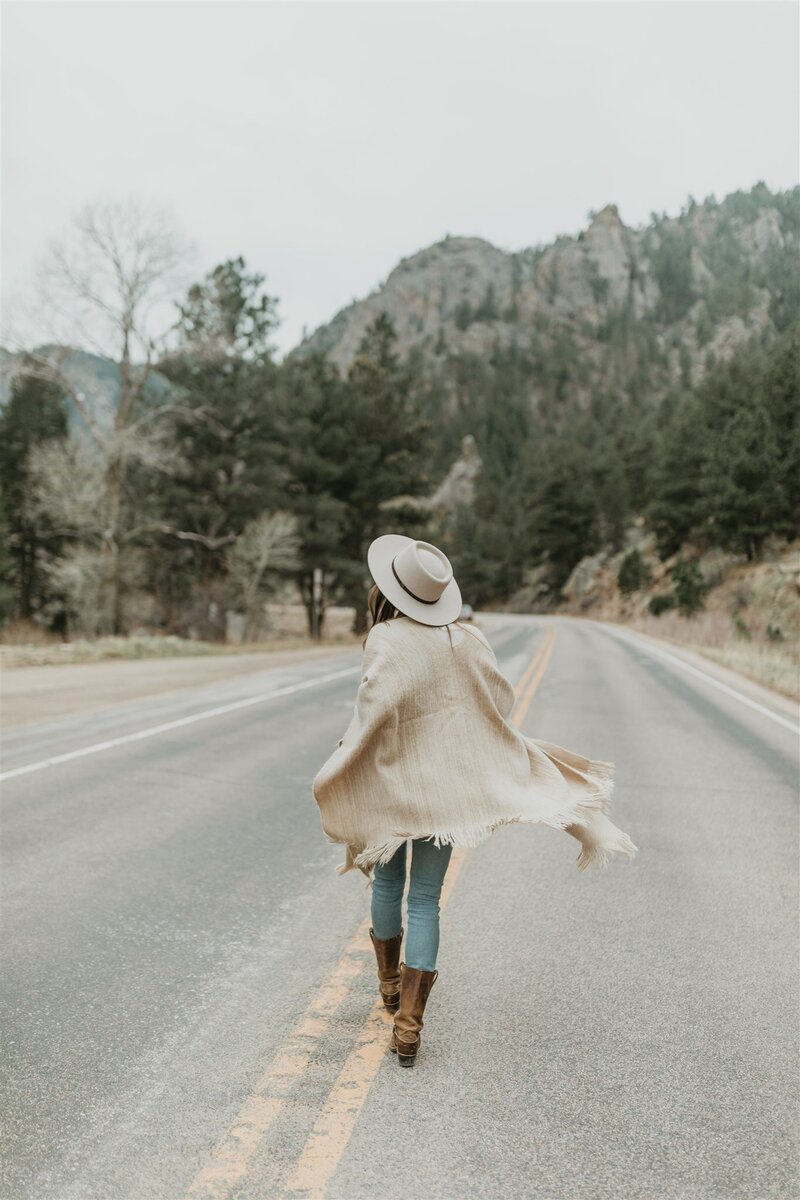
(388, 883)
(428, 867)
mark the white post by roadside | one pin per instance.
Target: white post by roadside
(316, 604)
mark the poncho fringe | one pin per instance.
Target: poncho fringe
(566, 790)
(595, 851)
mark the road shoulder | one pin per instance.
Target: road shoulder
(47, 693)
(755, 691)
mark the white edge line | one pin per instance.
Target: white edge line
(717, 683)
(154, 730)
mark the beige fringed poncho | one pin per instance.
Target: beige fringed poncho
(430, 753)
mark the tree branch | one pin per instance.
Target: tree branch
(211, 543)
(183, 410)
(39, 367)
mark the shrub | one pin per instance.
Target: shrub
(742, 629)
(659, 604)
(634, 573)
(464, 315)
(690, 587)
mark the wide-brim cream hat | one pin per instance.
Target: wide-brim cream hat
(416, 577)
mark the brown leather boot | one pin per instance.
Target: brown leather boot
(387, 953)
(415, 987)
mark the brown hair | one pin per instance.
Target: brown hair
(380, 608)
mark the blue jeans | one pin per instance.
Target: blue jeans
(428, 866)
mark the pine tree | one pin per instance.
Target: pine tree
(229, 313)
(561, 508)
(383, 459)
(225, 430)
(689, 586)
(781, 388)
(347, 446)
(742, 483)
(6, 588)
(35, 413)
(679, 508)
(634, 573)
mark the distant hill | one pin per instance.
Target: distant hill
(612, 307)
(96, 377)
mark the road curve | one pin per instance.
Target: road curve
(188, 992)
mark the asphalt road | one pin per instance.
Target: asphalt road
(188, 992)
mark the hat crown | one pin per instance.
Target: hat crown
(423, 570)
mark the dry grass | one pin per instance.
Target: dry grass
(50, 652)
(774, 664)
(21, 632)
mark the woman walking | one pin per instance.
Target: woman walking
(430, 756)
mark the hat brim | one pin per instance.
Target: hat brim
(379, 559)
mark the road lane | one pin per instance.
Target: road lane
(167, 907)
(633, 1034)
(171, 908)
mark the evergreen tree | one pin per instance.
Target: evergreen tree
(781, 389)
(561, 509)
(610, 490)
(6, 589)
(224, 428)
(671, 257)
(229, 313)
(679, 508)
(35, 413)
(728, 466)
(750, 420)
(384, 432)
(479, 556)
(487, 309)
(311, 412)
(743, 487)
(689, 587)
(490, 543)
(347, 446)
(634, 573)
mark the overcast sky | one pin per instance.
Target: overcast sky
(325, 141)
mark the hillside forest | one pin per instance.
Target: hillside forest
(165, 479)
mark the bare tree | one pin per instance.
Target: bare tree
(111, 285)
(268, 544)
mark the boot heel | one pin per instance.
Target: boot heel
(406, 1051)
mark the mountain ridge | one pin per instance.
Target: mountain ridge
(702, 282)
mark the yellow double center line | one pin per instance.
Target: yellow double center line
(526, 688)
(323, 1150)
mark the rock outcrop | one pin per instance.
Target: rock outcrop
(456, 489)
(698, 285)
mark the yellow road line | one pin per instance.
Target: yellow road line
(333, 1129)
(531, 667)
(232, 1154)
(230, 1157)
(543, 658)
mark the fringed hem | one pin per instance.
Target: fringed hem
(599, 855)
(586, 820)
(599, 839)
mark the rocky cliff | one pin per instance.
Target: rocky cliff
(659, 303)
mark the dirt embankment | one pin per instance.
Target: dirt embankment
(749, 622)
